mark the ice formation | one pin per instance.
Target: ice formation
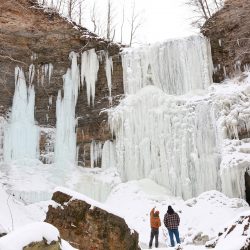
(95, 153)
(21, 135)
(169, 139)
(89, 72)
(65, 147)
(176, 66)
(31, 73)
(109, 71)
(108, 155)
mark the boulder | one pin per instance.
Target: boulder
(87, 225)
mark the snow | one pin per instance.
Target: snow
(34, 232)
(205, 215)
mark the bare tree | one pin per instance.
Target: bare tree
(123, 20)
(110, 29)
(94, 18)
(135, 22)
(204, 9)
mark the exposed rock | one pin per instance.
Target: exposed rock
(200, 239)
(30, 35)
(89, 228)
(229, 33)
(43, 245)
(236, 235)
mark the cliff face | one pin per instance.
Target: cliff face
(229, 33)
(30, 35)
(89, 228)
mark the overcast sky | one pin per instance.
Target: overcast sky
(162, 19)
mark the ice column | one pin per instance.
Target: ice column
(89, 72)
(169, 139)
(109, 71)
(175, 66)
(21, 138)
(95, 153)
(65, 147)
(108, 155)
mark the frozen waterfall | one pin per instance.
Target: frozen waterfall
(21, 135)
(175, 66)
(65, 147)
(168, 139)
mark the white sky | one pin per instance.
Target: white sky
(162, 19)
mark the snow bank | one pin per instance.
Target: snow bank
(34, 232)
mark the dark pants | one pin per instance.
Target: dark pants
(154, 233)
(172, 233)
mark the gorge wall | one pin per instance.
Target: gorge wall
(30, 35)
(228, 30)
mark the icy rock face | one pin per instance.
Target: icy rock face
(169, 139)
(176, 66)
(65, 147)
(21, 138)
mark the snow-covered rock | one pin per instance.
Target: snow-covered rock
(38, 233)
(235, 237)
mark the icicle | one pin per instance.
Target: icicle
(176, 66)
(109, 71)
(31, 73)
(95, 153)
(108, 155)
(65, 147)
(21, 133)
(89, 72)
(50, 100)
(50, 71)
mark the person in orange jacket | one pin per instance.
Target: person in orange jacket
(155, 223)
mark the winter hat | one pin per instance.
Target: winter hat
(170, 210)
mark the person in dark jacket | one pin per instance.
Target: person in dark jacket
(155, 223)
(172, 221)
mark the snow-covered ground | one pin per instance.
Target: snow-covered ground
(201, 218)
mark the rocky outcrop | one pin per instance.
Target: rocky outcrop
(32, 35)
(236, 235)
(229, 34)
(89, 227)
(43, 245)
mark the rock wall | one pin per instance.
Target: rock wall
(30, 35)
(89, 229)
(229, 34)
